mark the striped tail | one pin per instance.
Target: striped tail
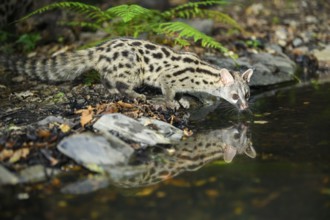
(62, 67)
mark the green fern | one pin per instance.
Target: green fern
(192, 7)
(132, 20)
(89, 10)
(182, 30)
(129, 12)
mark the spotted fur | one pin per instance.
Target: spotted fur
(125, 64)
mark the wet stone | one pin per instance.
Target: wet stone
(6, 177)
(166, 129)
(91, 151)
(129, 129)
(36, 173)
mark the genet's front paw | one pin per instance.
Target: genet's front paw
(174, 105)
(184, 103)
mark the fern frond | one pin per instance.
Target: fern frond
(185, 31)
(129, 12)
(82, 24)
(216, 16)
(89, 10)
(192, 7)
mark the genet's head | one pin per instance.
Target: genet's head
(235, 89)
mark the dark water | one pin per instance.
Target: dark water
(289, 178)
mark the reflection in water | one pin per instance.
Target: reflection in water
(158, 164)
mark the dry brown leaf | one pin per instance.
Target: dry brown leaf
(112, 108)
(172, 119)
(5, 154)
(187, 132)
(18, 154)
(43, 133)
(86, 115)
(125, 104)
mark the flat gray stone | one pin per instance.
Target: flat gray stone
(7, 177)
(36, 173)
(130, 129)
(163, 128)
(92, 150)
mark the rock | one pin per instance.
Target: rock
(268, 69)
(323, 55)
(92, 150)
(86, 185)
(255, 9)
(281, 34)
(310, 19)
(163, 128)
(6, 177)
(57, 119)
(130, 129)
(36, 173)
(297, 42)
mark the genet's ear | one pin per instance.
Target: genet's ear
(250, 151)
(247, 75)
(226, 77)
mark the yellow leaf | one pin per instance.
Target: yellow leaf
(65, 128)
(18, 154)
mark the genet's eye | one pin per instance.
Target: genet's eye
(247, 95)
(236, 136)
(235, 96)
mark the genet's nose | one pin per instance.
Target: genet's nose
(244, 106)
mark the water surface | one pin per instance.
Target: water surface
(288, 179)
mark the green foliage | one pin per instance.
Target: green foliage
(186, 31)
(28, 41)
(132, 20)
(91, 77)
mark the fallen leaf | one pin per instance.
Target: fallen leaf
(43, 133)
(65, 128)
(18, 154)
(5, 154)
(187, 132)
(125, 104)
(86, 115)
